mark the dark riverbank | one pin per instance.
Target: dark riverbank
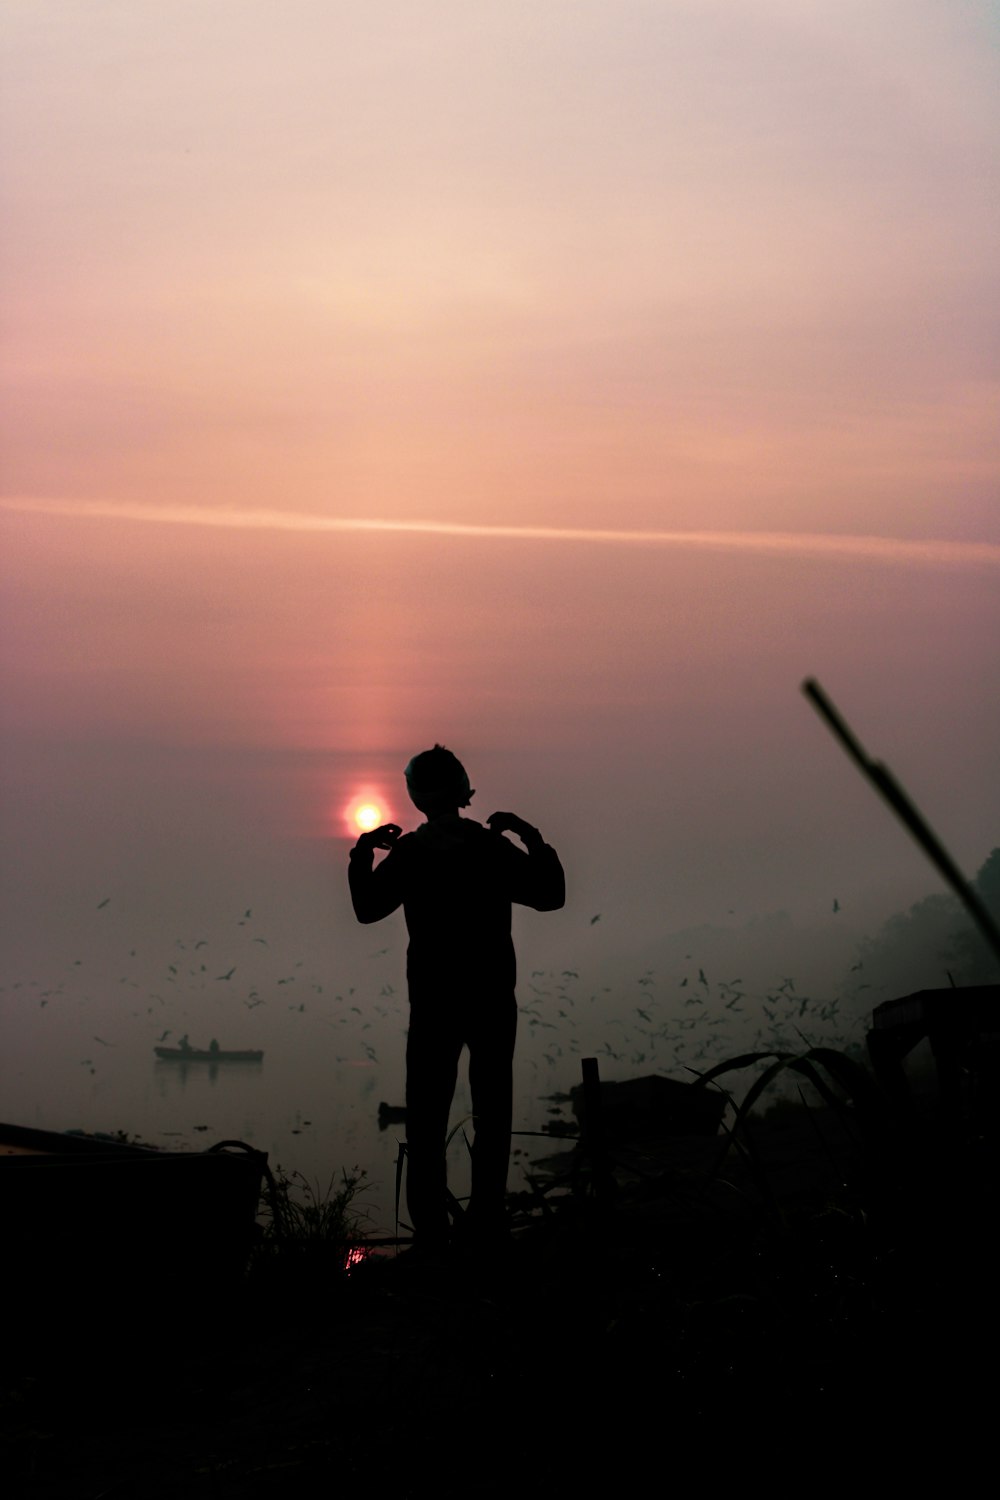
(689, 1324)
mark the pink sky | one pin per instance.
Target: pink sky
(693, 266)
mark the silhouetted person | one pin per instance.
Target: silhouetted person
(456, 880)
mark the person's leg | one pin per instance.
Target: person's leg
(432, 1049)
(491, 1033)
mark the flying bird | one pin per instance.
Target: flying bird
(597, 918)
(102, 904)
(229, 975)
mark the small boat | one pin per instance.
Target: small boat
(205, 1054)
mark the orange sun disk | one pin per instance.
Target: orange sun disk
(367, 816)
(365, 811)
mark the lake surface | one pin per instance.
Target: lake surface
(331, 1021)
(310, 1107)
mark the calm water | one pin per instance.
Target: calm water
(79, 1037)
(308, 1110)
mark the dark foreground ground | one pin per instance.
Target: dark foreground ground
(816, 1319)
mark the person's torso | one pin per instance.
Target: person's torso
(457, 891)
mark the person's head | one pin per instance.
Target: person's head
(437, 782)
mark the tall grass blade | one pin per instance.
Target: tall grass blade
(908, 813)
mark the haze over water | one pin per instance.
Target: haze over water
(331, 395)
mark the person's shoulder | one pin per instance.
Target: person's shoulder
(499, 847)
(478, 839)
(481, 833)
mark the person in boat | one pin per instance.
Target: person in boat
(213, 1047)
(456, 880)
(184, 1044)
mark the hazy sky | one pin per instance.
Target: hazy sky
(719, 272)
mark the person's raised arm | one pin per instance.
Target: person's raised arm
(375, 889)
(540, 881)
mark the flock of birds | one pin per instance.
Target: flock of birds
(676, 1025)
(671, 1023)
(186, 972)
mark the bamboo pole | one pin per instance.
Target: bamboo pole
(902, 805)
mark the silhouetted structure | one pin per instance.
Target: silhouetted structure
(456, 880)
(958, 1028)
(96, 1222)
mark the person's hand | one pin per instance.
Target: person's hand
(508, 822)
(379, 838)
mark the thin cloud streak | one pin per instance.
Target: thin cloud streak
(883, 549)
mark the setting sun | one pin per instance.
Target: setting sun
(367, 809)
(367, 816)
